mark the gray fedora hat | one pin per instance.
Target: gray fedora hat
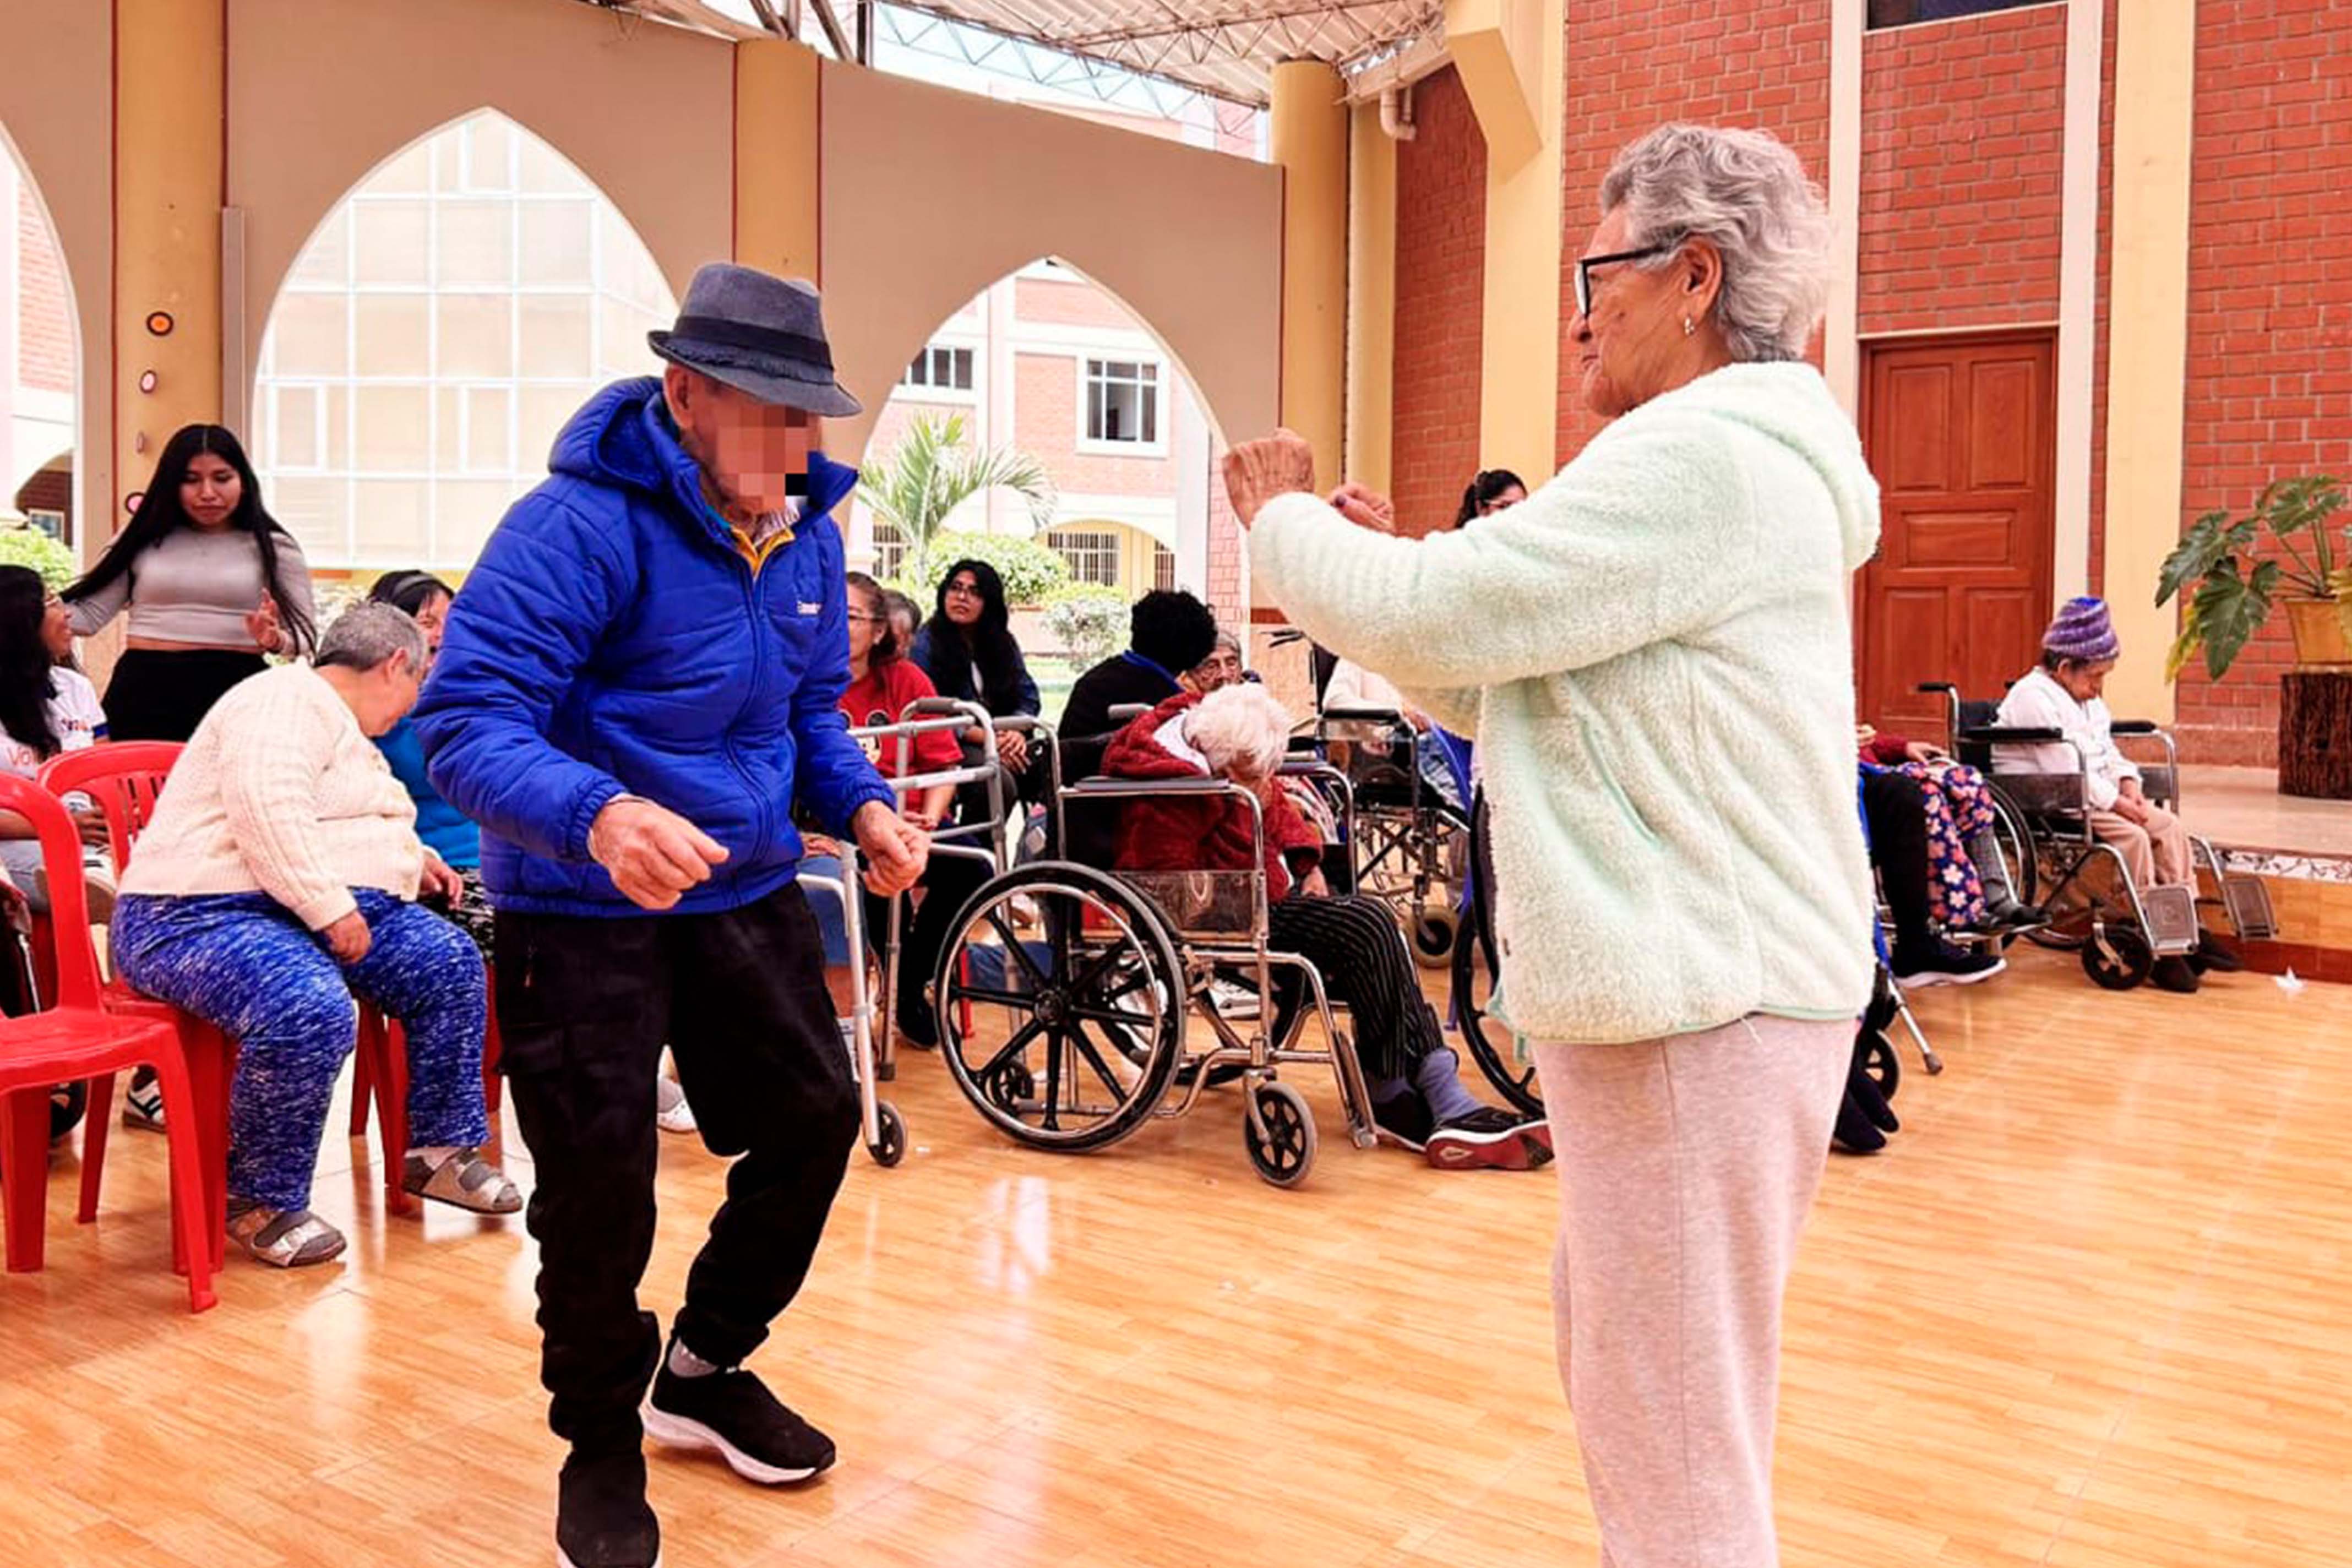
(758, 334)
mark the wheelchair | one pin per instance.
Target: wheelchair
(1411, 845)
(1064, 990)
(2043, 830)
(866, 1031)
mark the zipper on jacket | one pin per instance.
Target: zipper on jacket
(760, 801)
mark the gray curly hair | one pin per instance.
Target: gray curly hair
(1746, 193)
(367, 635)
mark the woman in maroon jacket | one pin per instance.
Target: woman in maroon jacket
(1240, 733)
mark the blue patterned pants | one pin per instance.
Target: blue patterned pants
(241, 962)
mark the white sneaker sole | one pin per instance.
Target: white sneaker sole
(680, 1433)
(1935, 977)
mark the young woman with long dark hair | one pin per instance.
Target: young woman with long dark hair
(1490, 491)
(968, 651)
(45, 708)
(212, 582)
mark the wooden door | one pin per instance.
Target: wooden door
(1959, 432)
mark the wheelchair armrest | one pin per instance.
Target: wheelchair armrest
(2136, 727)
(2009, 735)
(1124, 714)
(1937, 688)
(1363, 716)
(1101, 788)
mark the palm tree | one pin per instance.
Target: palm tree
(931, 472)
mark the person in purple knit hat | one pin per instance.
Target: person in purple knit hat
(2063, 693)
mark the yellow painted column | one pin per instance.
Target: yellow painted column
(777, 155)
(1371, 300)
(2148, 358)
(1510, 54)
(1307, 135)
(169, 178)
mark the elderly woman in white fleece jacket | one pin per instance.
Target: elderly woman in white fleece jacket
(1654, 652)
(280, 874)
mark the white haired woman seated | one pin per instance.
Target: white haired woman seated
(1239, 733)
(279, 875)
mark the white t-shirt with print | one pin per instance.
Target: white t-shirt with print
(74, 714)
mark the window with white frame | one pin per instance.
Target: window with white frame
(1164, 567)
(940, 369)
(1122, 403)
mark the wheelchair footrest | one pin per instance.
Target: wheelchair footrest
(2171, 920)
(2248, 899)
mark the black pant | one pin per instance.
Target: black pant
(584, 1007)
(1895, 809)
(159, 696)
(947, 881)
(1355, 945)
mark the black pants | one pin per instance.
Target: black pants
(584, 1007)
(158, 696)
(1356, 946)
(947, 881)
(1895, 809)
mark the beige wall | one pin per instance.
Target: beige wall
(60, 118)
(931, 195)
(320, 91)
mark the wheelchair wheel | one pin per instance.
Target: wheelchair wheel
(2117, 957)
(1064, 1035)
(889, 1146)
(1284, 1152)
(2014, 833)
(1880, 1063)
(1492, 1046)
(1435, 935)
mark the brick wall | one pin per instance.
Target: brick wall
(1077, 303)
(1633, 66)
(1045, 420)
(44, 336)
(1440, 272)
(1226, 547)
(1962, 145)
(2270, 304)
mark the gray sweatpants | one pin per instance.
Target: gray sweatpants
(1687, 1168)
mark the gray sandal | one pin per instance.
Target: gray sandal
(283, 1238)
(464, 1180)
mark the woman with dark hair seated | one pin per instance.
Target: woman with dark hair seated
(47, 707)
(1491, 490)
(1242, 733)
(968, 651)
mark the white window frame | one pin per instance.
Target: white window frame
(1162, 405)
(931, 391)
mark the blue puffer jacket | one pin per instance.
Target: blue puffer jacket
(613, 639)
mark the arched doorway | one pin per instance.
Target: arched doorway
(1047, 364)
(441, 324)
(38, 372)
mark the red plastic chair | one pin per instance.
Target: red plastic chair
(125, 778)
(78, 1039)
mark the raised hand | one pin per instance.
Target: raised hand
(1257, 471)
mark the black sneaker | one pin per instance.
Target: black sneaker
(732, 1414)
(2175, 974)
(2211, 958)
(916, 1022)
(1404, 1120)
(601, 1517)
(1490, 1139)
(1946, 966)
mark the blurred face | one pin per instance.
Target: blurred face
(1503, 502)
(432, 620)
(57, 628)
(903, 622)
(867, 619)
(1220, 670)
(210, 491)
(1627, 334)
(963, 600)
(755, 454)
(2084, 681)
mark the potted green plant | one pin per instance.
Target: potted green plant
(2228, 587)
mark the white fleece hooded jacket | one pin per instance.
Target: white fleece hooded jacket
(1654, 652)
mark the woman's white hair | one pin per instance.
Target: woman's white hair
(1240, 724)
(1746, 193)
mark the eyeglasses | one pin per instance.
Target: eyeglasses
(1585, 265)
(962, 588)
(863, 619)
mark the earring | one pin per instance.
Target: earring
(1688, 327)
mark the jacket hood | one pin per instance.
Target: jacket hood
(623, 437)
(1792, 404)
(1134, 752)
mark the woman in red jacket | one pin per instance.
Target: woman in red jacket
(1239, 733)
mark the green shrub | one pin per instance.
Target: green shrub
(1031, 570)
(31, 547)
(1089, 622)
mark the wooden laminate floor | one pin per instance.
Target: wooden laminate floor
(2093, 1309)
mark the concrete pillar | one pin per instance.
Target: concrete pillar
(1371, 300)
(1309, 138)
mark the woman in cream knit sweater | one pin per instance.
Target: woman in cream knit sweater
(1652, 651)
(278, 876)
